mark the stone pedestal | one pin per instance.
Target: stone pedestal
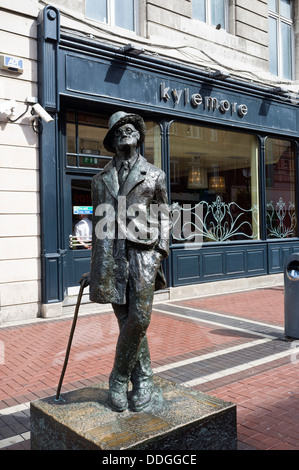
(184, 420)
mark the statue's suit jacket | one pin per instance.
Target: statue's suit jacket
(144, 186)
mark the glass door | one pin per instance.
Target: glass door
(85, 156)
(78, 227)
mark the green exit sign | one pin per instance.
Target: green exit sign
(90, 160)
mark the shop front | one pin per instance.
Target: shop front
(229, 150)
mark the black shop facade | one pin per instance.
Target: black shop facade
(229, 150)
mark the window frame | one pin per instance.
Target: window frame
(111, 16)
(79, 168)
(280, 19)
(294, 149)
(208, 8)
(257, 234)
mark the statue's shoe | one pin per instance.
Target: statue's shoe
(118, 394)
(118, 400)
(140, 398)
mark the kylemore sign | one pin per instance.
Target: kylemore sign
(196, 100)
(176, 96)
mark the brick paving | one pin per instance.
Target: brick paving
(230, 346)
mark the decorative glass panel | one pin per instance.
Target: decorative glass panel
(280, 189)
(214, 184)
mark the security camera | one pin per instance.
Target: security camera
(38, 109)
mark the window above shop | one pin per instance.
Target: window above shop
(119, 13)
(281, 38)
(212, 12)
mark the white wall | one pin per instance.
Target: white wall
(167, 29)
(19, 188)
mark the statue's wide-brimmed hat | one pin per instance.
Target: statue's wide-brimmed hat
(119, 119)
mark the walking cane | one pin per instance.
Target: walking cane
(70, 341)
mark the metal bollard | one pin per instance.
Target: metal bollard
(291, 296)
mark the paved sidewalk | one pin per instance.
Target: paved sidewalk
(229, 346)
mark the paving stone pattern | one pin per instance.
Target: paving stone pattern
(230, 346)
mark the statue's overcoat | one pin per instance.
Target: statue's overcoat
(113, 213)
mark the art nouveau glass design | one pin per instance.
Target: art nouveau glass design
(280, 189)
(214, 184)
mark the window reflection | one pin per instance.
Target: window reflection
(280, 189)
(152, 143)
(86, 132)
(85, 135)
(214, 183)
(81, 215)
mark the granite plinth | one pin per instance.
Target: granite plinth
(185, 420)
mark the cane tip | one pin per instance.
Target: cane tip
(57, 399)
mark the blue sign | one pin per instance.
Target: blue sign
(82, 209)
(14, 64)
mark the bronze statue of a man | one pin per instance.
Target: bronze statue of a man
(126, 256)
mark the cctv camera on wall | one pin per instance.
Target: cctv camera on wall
(7, 109)
(42, 113)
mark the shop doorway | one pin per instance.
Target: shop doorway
(78, 221)
(85, 156)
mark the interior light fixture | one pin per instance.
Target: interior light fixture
(216, 182)
(197, 177)
(217, 185)
(132, 49)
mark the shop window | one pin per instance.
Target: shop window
(152, 144)
(214, 184)
(86, 155)
(281, 207)
(120, 13)
(212, 12)
(281, 38)
(85, 134)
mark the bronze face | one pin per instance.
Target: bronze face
(126, 136)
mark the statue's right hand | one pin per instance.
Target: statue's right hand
(85, 280)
